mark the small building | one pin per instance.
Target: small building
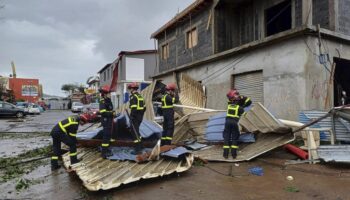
(279, 52)
(132, 66)
(93, 83)
(26, 89)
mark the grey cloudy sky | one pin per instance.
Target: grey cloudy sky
(67, 41)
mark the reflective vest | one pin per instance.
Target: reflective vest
(71, 121)
(232, 111)
(164, 105)
(140, 103)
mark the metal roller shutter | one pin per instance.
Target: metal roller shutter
(251, 85)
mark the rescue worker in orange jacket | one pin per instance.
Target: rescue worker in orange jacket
(235, 108)
(168, 100)
(107, 114)
(137, 107)
(65, 131)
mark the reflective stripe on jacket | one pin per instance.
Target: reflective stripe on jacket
(66, 123)
(233, 111)
(164, 102)
(139, 104)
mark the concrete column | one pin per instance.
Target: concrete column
(307, 12)
(333, 15)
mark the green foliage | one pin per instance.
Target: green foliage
(14, 167)
(23, 184)
(291, 189)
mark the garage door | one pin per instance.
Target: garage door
(251, 85)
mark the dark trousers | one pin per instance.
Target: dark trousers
(231, 132)
(57, 138)
(136, 117)
(168, 126)
(107, 132)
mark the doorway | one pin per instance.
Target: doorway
(341, 80)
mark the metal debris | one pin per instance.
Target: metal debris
(100, 174)
(336, 153)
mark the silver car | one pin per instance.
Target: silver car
(77, 107)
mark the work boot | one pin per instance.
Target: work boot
(234, 153)
(55, 165)
(226, 151)
(106, 153)
(138, 148)
(74, 160)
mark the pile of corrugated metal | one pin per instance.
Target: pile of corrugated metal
(334, 128)
(198, 133)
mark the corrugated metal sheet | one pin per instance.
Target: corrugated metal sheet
(250, 85)
(341, 131)
(99, 174)
(264, 142)
(272, 133)
(260, 120)
(337, 153)
(191, 93)
(192, 126)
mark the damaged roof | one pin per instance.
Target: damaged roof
(100, 174)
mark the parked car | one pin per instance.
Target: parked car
(22, 104)
(8, 109)
(92, 107)
(77, 107)
(33, 109)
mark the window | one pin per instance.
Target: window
(104, 76)
(278, 18)
(7, 106)
(165, 51)
(191, 38)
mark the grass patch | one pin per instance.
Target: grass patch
(198, 163)
(4, 136)
(291, 189)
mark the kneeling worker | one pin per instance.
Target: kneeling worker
(231, 133)
(65, 131)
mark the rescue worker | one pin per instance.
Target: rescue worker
(107, 114)
(235, 108)
(65, 131)
(137, 107)
(168, 100)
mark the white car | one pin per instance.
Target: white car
(33, 109)
(77, 107)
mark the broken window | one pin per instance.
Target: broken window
(341, 82)
(278, 18)
(191, 38)
(165, 51)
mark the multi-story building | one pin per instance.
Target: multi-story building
(132, 66)
(26, 89)
(279, 52)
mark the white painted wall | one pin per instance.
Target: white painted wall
(135, 69)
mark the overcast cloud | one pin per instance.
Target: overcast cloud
(67, 41)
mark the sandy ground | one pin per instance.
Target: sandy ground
(211, 181)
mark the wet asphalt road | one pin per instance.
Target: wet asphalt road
(33, 123)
